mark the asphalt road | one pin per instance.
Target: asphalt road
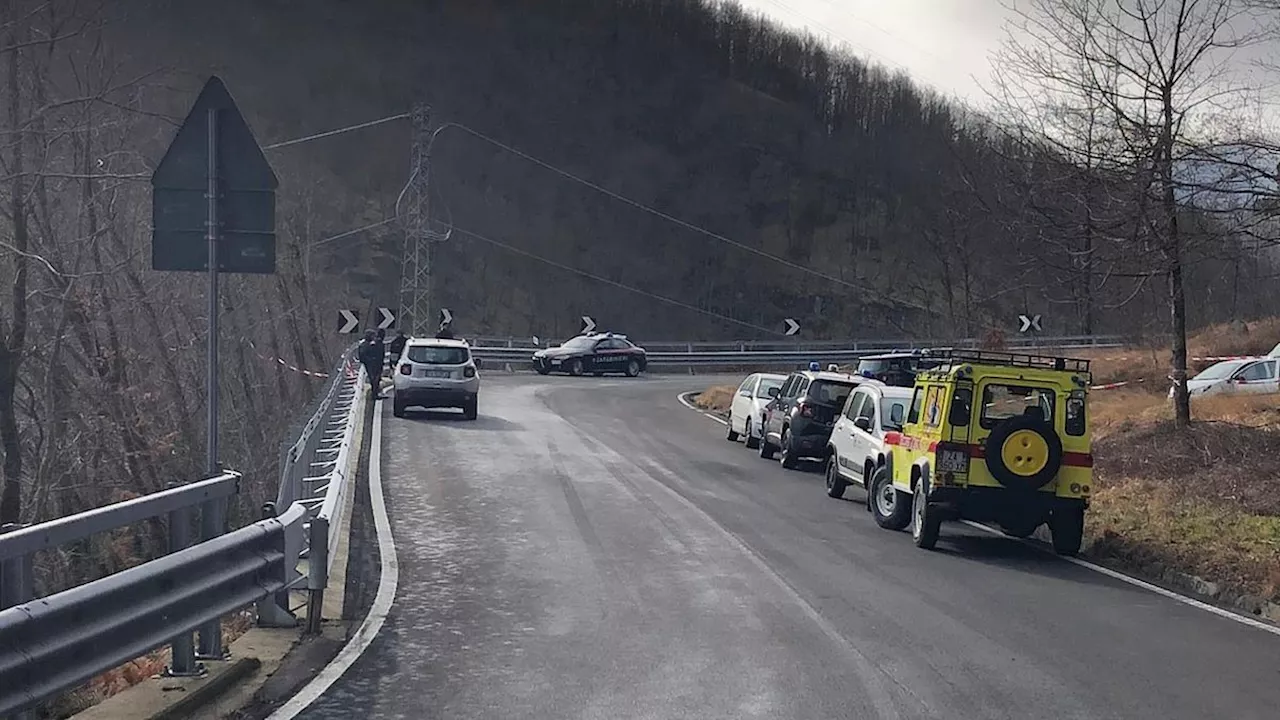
(592, 549)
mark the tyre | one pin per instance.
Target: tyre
(633, 368)
(1066, 525)
(397, 408)
(788, 458)
(890, 507)
(471, 410)
(926, 524)
(766, 448)
(575, 368)
(753, 442)
(731, 436)
(835, 484)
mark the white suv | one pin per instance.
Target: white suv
(857, 445)
(434, 373)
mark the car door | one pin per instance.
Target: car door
(867, 439)
(779, 408)
(740, 408)
(1258, 377)
(844, 440)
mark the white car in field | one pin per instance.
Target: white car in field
(436, 373)
(857, 445)
(746, 414)
(1241, 375)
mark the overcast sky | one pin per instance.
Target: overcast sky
(942, 43)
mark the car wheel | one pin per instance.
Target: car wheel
(753, 442)
(926, 524)
(471, 410)
(766, 448)
(575, 368)
(633, 368)
(788, 457)
(1066, 525)
(397, 408)
(731, 436)
(835, 484)
(890, 507)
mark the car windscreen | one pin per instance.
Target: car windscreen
(438, 354)
(830, 392)
(766, 383)
(579, 343)
(1221, 370)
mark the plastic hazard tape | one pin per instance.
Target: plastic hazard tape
(281, 362)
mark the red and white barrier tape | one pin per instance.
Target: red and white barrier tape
(282, 363)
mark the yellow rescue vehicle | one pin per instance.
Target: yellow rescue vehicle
(991, 437)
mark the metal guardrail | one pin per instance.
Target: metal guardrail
(55, 643)
(315, 474)
(865, 347)
(745, 355)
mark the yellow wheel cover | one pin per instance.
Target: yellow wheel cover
(1025, 453)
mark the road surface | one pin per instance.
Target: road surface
(589, 548)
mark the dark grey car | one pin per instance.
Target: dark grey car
(799, 420)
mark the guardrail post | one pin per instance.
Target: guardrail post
(317, 573)
(17, 581)
(273, 610)
(183, 663)
(213, 522)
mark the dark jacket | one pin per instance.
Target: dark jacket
(397, 346)
(372, 353)
(445, 333)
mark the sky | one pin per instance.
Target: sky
(945, 44)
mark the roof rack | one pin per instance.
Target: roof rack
(994, 357)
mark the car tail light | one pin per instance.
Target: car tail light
(468, 371)
(406, 369)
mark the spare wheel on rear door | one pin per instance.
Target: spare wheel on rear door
(1024, 453)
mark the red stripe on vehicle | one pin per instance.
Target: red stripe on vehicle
(1075, 459)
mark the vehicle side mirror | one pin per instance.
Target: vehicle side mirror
(477, 362)
(773, 393)
(862, 424)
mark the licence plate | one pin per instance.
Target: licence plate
(555, 362)
(955, 461)
(436, 373)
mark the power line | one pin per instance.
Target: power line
(613, 283)
(348, 233)
(670, 218)
(339, 131)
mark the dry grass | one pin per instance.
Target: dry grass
(1150, 365)
(1204, 500)
(717, 398)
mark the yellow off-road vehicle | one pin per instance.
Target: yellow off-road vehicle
(991, 437)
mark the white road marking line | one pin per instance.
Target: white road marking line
(700, 411)
(387, 583)
(1184, 599)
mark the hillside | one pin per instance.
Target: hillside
(701, 112)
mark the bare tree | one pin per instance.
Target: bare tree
(1128, 88)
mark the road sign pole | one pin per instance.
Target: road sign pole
(210, 639)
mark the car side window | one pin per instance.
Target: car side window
(854, 404)
(917, 400)
(785, 392)
(747, 385)
(1255, 372)
(802, 385)
(868, 411)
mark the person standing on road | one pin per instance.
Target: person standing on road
(371, 354)
(397, 346)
